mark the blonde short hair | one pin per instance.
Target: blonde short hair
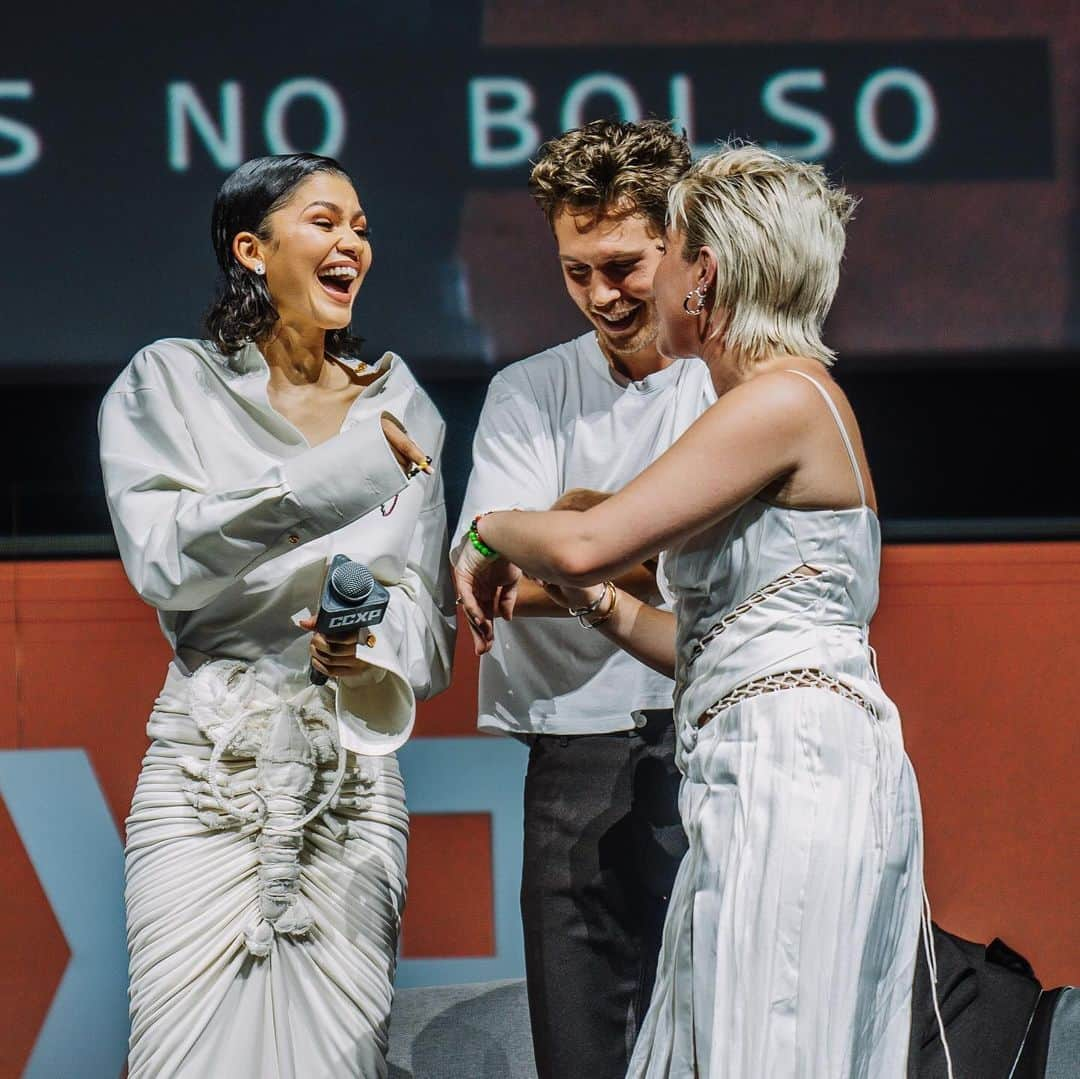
(777, 229)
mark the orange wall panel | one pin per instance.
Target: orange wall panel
(979, 645)
(33, 949)
(9, 724)
(450, 908)
(453, 713)
(91, 662)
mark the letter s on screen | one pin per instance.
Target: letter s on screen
(27, 140)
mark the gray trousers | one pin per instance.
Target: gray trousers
(603, 841)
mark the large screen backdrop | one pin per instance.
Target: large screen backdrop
(116, 129)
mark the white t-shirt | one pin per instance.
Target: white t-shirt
(558, 420)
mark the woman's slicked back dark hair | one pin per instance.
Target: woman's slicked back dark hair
(243, 310)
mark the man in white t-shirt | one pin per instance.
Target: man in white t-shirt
(602, 832)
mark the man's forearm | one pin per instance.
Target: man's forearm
(534, 602)
(644, 632)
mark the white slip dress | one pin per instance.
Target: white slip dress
(790, 940)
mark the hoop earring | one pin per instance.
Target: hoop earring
(699, 292)
(260, 268)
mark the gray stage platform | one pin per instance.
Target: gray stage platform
(482, 1032)
(462, 1032)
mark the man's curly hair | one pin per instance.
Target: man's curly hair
(608, 168)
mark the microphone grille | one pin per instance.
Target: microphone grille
(351, 580)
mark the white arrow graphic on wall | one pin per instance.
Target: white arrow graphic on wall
(63, 821)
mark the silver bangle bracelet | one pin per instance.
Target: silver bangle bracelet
(590, 608)
(585, 617)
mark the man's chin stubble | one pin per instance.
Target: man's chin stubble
(647, 338)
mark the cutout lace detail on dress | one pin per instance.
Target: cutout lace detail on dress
(804, 677)
(786, 580)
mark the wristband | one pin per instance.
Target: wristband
(477, 542)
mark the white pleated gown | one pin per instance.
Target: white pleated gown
(218, 988)
(790, 942)
(262, 945)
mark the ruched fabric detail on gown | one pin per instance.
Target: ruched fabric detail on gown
(203, 1002)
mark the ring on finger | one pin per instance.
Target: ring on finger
(417, 467)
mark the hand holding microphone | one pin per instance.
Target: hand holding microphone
(352, 602)
(352, 599)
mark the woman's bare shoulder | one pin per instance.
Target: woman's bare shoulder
(780, 398)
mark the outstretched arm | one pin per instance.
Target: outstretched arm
(757, 430)
(644, 631)
(536, 601)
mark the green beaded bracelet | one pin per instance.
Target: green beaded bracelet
(477, 542)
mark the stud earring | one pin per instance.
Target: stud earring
(698, 294)
(260, 268)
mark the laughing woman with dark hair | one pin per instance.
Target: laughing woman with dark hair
(265, 860)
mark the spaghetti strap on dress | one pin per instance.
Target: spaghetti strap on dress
(840, 424)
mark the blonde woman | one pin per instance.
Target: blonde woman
(791, 935)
